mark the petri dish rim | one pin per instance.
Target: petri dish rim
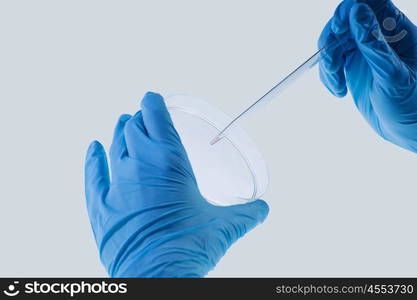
(237, 133)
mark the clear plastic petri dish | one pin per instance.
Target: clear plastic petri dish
(230, 172)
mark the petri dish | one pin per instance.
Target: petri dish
(230, 172)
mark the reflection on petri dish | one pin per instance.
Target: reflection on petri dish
(230, 172)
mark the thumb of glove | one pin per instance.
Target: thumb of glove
(244, 217)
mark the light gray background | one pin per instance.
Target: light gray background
(343, 202)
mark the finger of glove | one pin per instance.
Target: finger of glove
(157, 119)
(341, 17)
(375, 5)
(118, 147)
(96, 178)
(385, 64)
(136, 136)
(340, 21)
(331, 64)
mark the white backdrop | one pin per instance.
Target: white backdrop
(342, 200)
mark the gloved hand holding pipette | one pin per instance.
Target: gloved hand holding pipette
(149, 219)
(369, 46)
(376, 60)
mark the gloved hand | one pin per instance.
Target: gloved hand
(376, 59)
(149, 219)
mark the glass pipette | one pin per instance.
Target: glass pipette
(275, 91)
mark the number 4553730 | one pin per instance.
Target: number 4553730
(390, 289)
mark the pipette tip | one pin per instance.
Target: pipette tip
(216, 139)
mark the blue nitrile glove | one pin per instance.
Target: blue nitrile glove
(377, 61)
(149, 219)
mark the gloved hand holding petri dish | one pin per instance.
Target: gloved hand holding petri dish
(153, 217)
